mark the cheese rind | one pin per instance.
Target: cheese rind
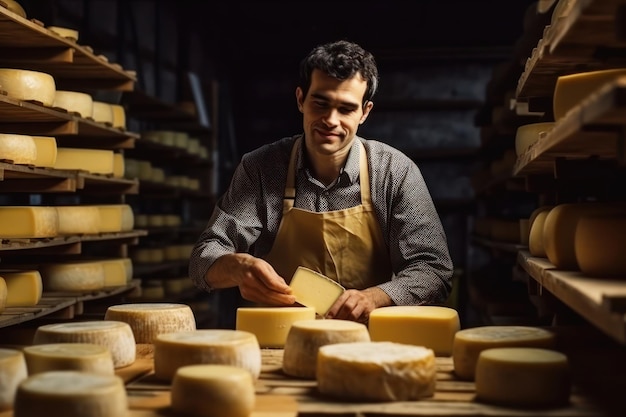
(119, 116)
(102, 112)
(527, 135)
(271, 325)
(76, 276)
(24, 288)
(599, 244)
(3, 294)
(12, 372)
(95, 161)
(46, 151)
(116, 218)
(28, 85)
(315, 290)
(78, 220)
(28, 222)
(20, 149)
(86, 357)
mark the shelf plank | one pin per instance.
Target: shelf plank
(63, 244)
(26, 178)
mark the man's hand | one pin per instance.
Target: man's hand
(357, 305)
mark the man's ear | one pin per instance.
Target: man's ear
(366, 111)
(299, 98)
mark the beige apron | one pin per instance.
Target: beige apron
(345, 245)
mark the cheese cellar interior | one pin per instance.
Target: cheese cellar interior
(122, 124)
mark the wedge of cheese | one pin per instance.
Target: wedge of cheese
(315, 290)
(270, 325)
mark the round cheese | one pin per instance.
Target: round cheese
(305, 337)
(94, 161)
(599, 244)
(119, 116)
(78, 220)
(46, 151)
(74, 102)
(376, 371)
(431, 326)
(67, 33)
(19, 149)
(24, 288)
(118, 165)
(523, 377)
(86, 357)
(28, 222)
(213, 391)
(75, 276)
(527, 135)
(535, 239)
(102, 112)
(115, 335)
(117, 271)
(28, 85)
(206, 346)
(12, 372)
(71, 394)
(116, 218)
(148, 320)
(15, 7)
(468, 343)
(271, 324)
(3, 294)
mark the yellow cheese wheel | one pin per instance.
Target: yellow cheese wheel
(271, 325)
(12, 372)
(145, 170)
(64, 32)
(181, 140)
(46, 151)
(193, 146)
(94, 161)
(102, 113)
(118, 165)
(157, 174)
(78, 220)
(117, 336)
(315, 290)
(527, 135)
(376, 371)
(523, 377)
(28, 222)
(536, 223)
(468, 343)
(28, 85)
(86, 357)
(18, 149)
(15, 7)
(74, 102)
(119, 116)
(213, 391)
(599, 244)
(206, 346)
(305, 337)
(71, 394)
(148, 320)
(431, 326)
(73, 276)
(117, 271)
(3, 293)
(116, 218)
(24, 288)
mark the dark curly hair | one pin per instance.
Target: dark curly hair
(341, 60)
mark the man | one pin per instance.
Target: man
(356, 210)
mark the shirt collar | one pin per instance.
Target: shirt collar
(350, 169)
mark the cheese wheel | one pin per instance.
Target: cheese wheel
(145, 170)
(118, 165)
(270, 325)
(117, 336)
(74, 102)
(376, 371)
(313, 289)
(599, 244)
(3, 294)
(523, 377)
(24, 288)
(156, 220)
(119, 116)
(78, 220)
(46, 151)
(85, 357)
(527, 135)
(117, 271)
(12, 372)
(74, 276)
(504, 230)
(94, 161)
(535, 239)
(116, 218)
(28, 85)
(15, 7)
(181, 140)
(468, 343)
(102, 112)
(28, 222)
(212, 391)
(71, 394)
(431, 326)
(19, 149)
(148, 320)
(524, 231)
(67, 33)
(305, 337)
(157, 175)
(206, 346)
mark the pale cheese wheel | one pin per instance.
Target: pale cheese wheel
(95, 161)
(117, 271)
(78, 220)
(102, 112)
(157, 175)
(305, 337)
(19, 149)
(599, 244)
(117, 336)
(71, 394)
(85, 357)
(181, 140)
(28, 85)
(24, 288)
(64, 32)
(468, 343)
(28, 222)
(172, 220)
(46, 151)
(206, 346)
(73, 276)
(376, 371)
(3, 294)
(119, 116)
(431, 326)
(145, 170)
(535, 239)
(156, 220)
(213, 391)
(313, 289)
(118, 165)
(271, 325)
(131, 168)
(15, 7)
(74, 102)
(12, 372)
(116, 218)
(523, 377)
(528, 135)
(148, 320)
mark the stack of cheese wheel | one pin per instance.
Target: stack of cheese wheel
(535, 224)
(148, 320)
(117, 336)
(523, 377)
(85, 357)
(74, 102)
(28, 85)
(376, 371)
(431, 326)
(23, 288)
(470, 342)
(78, 220)
(71, 394)
(528, 135)
(271, 325)
(73, 276)
(13, 371)
(206, 346)
(46, 151)
(306, 337)
(599, 244)
(94, 161)
(18, 149)
(213, 391)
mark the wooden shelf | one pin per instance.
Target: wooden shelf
(158, 152)
(65, 244)
(503, 246)
(145, 269)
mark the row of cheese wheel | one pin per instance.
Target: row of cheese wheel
(145, 171)
(158, 220)
(148, 255)
(52, 221)
(179, 140)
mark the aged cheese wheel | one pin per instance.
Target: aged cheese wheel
(213, 391)
(148, 320)
(94, 161)
(313, 289)
(527, 135)
(117, 336)
(64, 32)
(12, 372)
(28, 222)
(116, 218)
(71, 394)
(505, 230)
(15, 7)
(376, 371)
(102, 112)
(119, 116)
(431, 326)
(46, 151)
(24, 288)
(118, 165)
(28, 85)
(523, 377)
(19, 149)
(78, 220)
(305, 337)
(206, 346)
(3, 293)
(468, 343)
(74, 102)
(599, 244)
(271, 325)
(117, 271)
(86, 357)
(73, 276)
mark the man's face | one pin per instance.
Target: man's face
(332, 112)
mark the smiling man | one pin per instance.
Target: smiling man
(355, 210)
